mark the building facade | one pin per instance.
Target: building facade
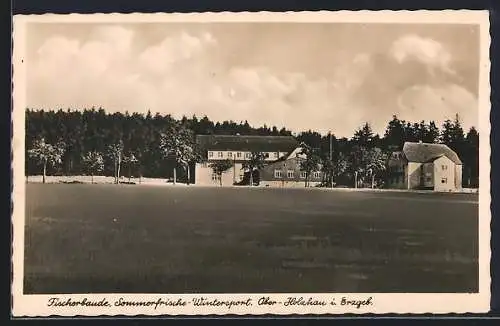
(281, 153)
(425, 166)
(287, 173)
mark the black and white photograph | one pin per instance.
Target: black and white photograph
(250, 163)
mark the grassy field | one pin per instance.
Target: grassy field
(110, 238)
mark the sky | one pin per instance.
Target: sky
(319, 76)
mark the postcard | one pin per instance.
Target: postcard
(319, 163)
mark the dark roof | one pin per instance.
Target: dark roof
(424, 152)
(247, 143)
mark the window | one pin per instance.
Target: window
(266, 155)
(210, 154)
(220, 154)
(444, 167)
(428, 179)
(229, 154)
(277, 173)
(444, 180)
(276, 154)
(247, 155)
(215, 177)
(238, 154)
(303, 174)
(316, 174)
(204, 165)
(289, 174)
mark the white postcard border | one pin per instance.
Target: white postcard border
(37, 305)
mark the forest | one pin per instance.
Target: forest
(92, 141)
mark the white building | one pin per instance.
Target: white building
(237, 149)
(425, 166)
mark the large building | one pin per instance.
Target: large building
(281, 164)
(425, 166)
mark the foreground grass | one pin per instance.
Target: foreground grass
(108, 238)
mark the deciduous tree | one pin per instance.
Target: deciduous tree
(219, 167)
(45, 153)
(376, 163)
(93, 162)
(310, 163)
(254, 162)
(130, 160)
(178, 144)
(115, 152)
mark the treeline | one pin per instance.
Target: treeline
(141, 136)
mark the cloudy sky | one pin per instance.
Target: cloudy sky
(327, 76)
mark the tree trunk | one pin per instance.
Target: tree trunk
(118, 171)
(188, 174)
(220, 179)
(251, 178)
(373, 181)
(355, 179)
(92, 178)
(114, 172)
(175, 175)
(44, 170)
(129, 172)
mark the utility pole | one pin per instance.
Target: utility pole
(331, 160)
(283, 176)
(234, 168)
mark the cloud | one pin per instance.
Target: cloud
(105, 70)
(179, 76)
(439, 104)
(160, 58)
(425, 50)
(187, 73)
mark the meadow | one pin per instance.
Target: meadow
(105, 238)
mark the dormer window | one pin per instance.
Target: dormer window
(210, 154)
(220, 154)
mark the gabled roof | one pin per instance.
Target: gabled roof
(283, 162)
(247, 143)
(424, 152)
